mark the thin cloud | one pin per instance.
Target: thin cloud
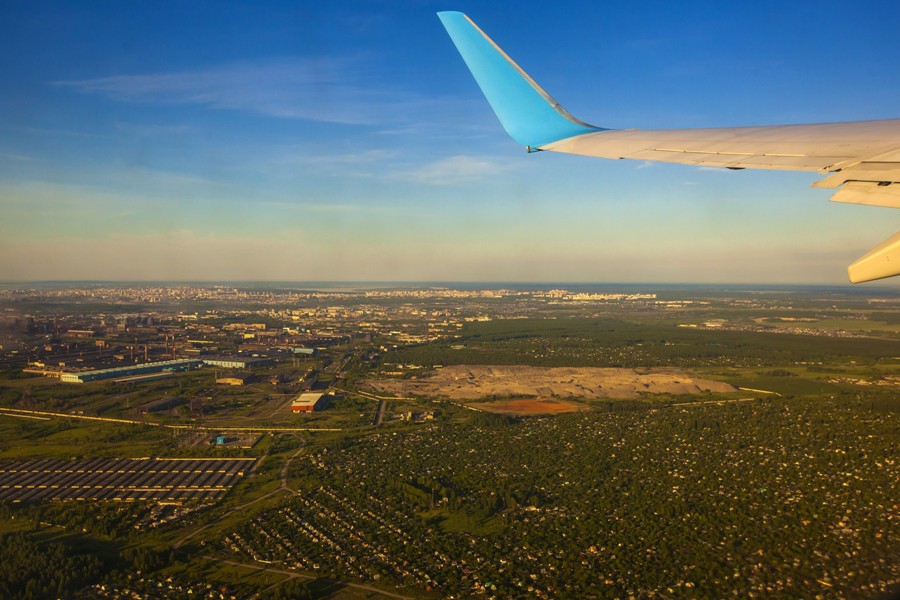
(330, 90)
(170, 178)
(154, 130)
(312, 161)
(366, 157)
(19, 157)
(326, 207)
(455, 170)
(61, 132)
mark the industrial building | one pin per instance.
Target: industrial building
(309, 402)
(144, 378)
(236, 379)
(238, 362)
(116, 372)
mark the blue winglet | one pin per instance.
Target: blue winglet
(528, 113)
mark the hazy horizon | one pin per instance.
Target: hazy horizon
(320, 285)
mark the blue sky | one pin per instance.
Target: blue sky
(347, 141)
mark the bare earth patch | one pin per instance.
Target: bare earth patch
(529, 406)
(472, 382)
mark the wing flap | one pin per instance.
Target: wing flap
(870, 175)
(874, 182)
(869, 193)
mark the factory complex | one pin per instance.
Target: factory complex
(130, 371)
(143, 371)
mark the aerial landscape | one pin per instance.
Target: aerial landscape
(285, 314)
(438, 441)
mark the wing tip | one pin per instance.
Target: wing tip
(527, 112)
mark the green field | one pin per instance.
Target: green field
(871, 326)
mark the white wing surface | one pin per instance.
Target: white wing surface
(860, 160)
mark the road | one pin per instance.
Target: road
(295, 575)
(284, 471)
(379, 412)
(282, 488)
(261, 567)
(11, 412)
(371, 396)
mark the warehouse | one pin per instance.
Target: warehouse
(238, 362)
(155, 367)
(304, 351)
(236, 379)
(309, 402)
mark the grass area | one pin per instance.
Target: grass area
(610, 342)
(12, 524)
(200, 569)
(69, 438)
(456, 521)
(839, 325)
(803, 380)
(788, 386)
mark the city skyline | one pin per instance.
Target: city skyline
(348, 142)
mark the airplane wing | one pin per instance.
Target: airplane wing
(861, 159)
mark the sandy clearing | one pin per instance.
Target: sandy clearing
(471, 382)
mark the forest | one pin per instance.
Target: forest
(611, 342)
